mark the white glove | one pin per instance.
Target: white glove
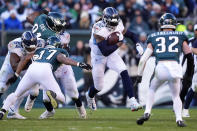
(121, 37)
(139, 49)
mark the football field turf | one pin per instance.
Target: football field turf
(100, 120)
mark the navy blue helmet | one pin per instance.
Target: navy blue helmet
(29, 41)
(55, 21)
(168, 21)
(110, 17)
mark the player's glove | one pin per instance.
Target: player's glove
(139, 48)
(84, 66)
(13, 79)
(138, 80)
(121, 37)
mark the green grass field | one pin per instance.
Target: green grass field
(100, 120)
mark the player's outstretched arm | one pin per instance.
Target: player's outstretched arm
(21, 65)
(144, 59)
(32, 16)
(14, 60)
(65, 60)
(135, 39)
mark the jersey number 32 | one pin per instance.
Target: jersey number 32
(163, 47)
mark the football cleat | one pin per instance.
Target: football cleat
(29, 104)
(52, 96)
(47, 114)
(180, 123)
(185, 113)
(91, 102)
(135, 106)
(15, 115)
(81, 111)
(1, 115)
(142, 119)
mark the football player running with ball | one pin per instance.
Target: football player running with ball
(45, 62)
(104, 53)
(166, 46)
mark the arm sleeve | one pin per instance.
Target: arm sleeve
(106, 49)
(131, 36)
(143, 60)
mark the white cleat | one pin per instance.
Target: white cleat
(82, 112)
(135, 106)
(47, 114)
(185, 113)
(15, 115)
(29, 104)
(91, 102)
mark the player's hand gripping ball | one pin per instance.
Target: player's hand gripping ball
(114, 38)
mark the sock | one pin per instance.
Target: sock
(48, 106)
(14, 108)
(189, 97)
(92, 91)
(77, 102)
(150, 101)
(127, 83)
(33, 97)
(177, 106)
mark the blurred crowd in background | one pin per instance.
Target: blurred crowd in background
(137, 15)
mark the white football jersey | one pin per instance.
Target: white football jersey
(100, 29)
(15, 46)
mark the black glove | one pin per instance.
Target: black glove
(12, 79)
(138, 80)
(84, 66)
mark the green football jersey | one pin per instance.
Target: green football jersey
(49, 55)
(41, 29)
(167, 45)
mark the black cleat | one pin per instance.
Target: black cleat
(142, 119)
(1, 115)
(52, 96)
(180, 123)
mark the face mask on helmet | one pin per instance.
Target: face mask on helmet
(56, 24)
(168, 21)
(29, 42)
(111, 17)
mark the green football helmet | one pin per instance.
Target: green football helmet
(54, 42)
(168, 21)
(55, 21)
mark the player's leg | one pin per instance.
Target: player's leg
(98, 63)
(70, 86)
(49, 108)
(115, 62)
(33, 93)
(160, 76)
(6, 72)
(189, 96)
(13, 112)
(177, 103)
(53, 90)
(25, 84)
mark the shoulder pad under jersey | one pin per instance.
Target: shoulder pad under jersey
(15, 46)
(99, 28)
